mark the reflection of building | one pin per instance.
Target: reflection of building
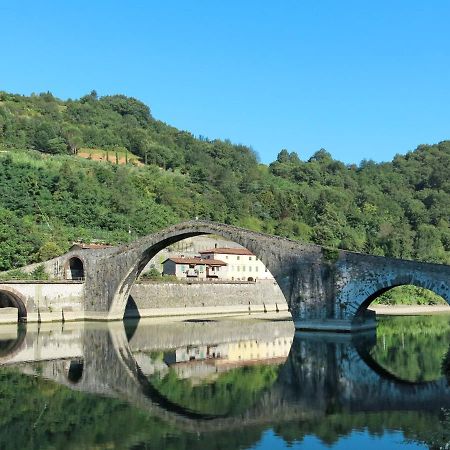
(194, 267)
(242, 264)
(204, 360)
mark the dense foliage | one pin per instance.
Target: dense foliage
(49, 196)
(410, 295)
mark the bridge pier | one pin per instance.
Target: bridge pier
(363, 322)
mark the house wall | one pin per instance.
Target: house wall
(180, 270)
(242, 267)
(221, 272)
(169, 268)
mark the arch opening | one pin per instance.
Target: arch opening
(206, 259)
(407, 294)
(75, 269)
(75, 370)
(10, 300)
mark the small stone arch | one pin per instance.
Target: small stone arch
(438, 289)
(74, 269)
(74, 370)
(11, 347)
(10, 298)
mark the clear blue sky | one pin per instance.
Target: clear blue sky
(361, 79)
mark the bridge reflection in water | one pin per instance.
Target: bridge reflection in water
(217, 376)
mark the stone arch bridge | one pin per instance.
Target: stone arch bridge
(325, 289)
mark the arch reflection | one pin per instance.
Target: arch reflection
(153, 370)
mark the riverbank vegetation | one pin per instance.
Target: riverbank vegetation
(409, 295)
(104, 169)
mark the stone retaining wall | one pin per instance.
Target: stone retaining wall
(47, 302)
(55, 302)
(159, 299)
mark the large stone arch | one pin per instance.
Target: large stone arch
(15, 299)
(278, 254)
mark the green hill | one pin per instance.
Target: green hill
(49, 196)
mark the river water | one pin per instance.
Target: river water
(224, 384)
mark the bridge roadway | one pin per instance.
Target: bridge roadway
(325, 289)
(324, 373)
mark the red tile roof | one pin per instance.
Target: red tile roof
(195, 260)
(228, 251)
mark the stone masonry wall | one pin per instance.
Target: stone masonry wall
(150, 297)
(48, 302)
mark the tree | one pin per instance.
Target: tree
(74, 139)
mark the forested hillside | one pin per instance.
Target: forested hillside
(49, 196)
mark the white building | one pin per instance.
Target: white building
(195, 267)
(242, 264)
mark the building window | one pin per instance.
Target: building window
(238, 268)
(238, 257)
(256, 269)
(243, 268)
(249, 268)
(249, 258)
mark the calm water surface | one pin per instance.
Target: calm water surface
(225, 384)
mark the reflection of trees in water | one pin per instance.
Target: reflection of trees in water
(446, 366)
(37, 413)
(432, 430)
(437, 436)
(412, 348)
(229, 393)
